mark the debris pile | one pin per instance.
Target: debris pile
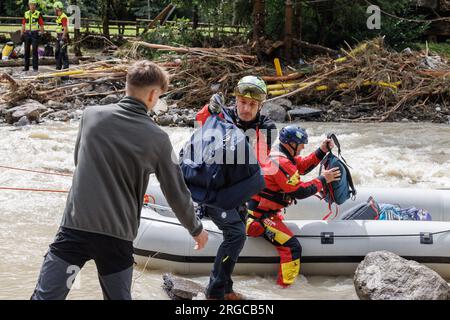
(387, 84)
(368, 83)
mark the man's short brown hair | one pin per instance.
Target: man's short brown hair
(145, 73)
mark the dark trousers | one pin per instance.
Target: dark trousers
(69, 253)
(232, 225)
(31, 40)
(61, 56)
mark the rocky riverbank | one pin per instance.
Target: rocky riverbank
(23, 108)
(30, 111)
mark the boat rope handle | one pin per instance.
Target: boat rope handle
(319, 236)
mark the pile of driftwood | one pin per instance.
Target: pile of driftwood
(372, 75)
(196, 73)
(369, 74)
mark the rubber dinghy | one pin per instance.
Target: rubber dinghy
(329, 247)
(333, 247)
(436, 202)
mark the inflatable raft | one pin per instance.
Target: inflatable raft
(334, 247)
(436, 202)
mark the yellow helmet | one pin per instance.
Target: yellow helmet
(251, 87)
(58, 5)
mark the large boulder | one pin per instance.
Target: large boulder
(383, 275)
(30, 109)
(274, 111)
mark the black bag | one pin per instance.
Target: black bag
(364, 211)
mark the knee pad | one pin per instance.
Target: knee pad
(296, 248)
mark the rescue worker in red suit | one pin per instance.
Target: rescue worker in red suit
(282, 174)
(250, 94)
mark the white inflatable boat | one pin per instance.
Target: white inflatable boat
(436, 202)
(329, 247)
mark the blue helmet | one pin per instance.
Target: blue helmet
(293, 134)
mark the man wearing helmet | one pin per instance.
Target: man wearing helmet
(32, 24)
(62, 37)
(283, 185)
(250, 94)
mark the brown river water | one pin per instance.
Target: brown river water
(382, 155)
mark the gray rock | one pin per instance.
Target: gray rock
(383, 275)
(405, 120)
(165, 120)
(46, 113)
(4, 107)
(78, 103)
(31, 109)
(274, 111)
(62, 115)
(161, 107)
(189, 120)
(181, 289)
(102, 88)
(22, 122)
(112, 98)
(304, 112)
(335, 104)
(287, 104)
(55, 105)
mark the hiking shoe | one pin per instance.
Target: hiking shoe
(234, 296)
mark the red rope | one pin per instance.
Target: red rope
(35, 171)
(34, 190)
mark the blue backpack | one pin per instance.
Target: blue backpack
(219, 166)
(338, 191)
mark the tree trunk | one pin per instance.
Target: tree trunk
(258, 19)
(288, 29)
(195, 17)
(105, 17)
(298, 20)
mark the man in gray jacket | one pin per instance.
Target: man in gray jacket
(117, 148)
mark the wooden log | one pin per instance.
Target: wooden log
(42, 62)
(315, 47)
(12, 82)
(292, 76)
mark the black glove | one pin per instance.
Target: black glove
(216, 103)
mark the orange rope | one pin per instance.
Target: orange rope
(34, 190)
(35, 171)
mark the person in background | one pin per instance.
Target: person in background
(62, 37)
(32, 28)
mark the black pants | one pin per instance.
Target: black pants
(31, 40)
(61, 56)
(231, 223)
(69, 253)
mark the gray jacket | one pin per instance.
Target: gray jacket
(117, 148)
